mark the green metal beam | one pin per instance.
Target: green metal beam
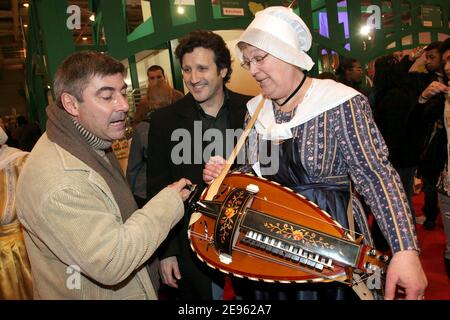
(354, 25)
(335, 29)
(35, 72)
(133, 72)
(115, 28)
(56, 36)
(415, 20)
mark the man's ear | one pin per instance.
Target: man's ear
(223, 72)
(70, 104)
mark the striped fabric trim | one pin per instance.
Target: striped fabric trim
(94, 141)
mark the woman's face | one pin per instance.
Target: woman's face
(276, 78)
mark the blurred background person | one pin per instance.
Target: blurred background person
(155, 76)
(437, 97)
(433, 154)
(27, 133)
(350, 73)
(15, 269)
(159, 95)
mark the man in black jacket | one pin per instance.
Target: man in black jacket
(436, 104)
(429, 130)
(432, 162)
(182, 138)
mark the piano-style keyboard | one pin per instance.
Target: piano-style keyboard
(287, 251)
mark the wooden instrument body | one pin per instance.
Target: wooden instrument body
(292, 210)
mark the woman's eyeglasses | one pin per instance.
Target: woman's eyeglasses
(257, 60)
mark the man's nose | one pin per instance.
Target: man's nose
(195, 76)
(122, 103)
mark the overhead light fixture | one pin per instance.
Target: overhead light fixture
(25, 26)
(92, 17)
(180, 10)
(84, 38)
(365, 30)
(26, 4)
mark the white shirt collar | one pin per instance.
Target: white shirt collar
(321, 96)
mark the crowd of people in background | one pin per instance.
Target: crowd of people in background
(22, 134)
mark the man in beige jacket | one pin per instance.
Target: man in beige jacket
(85, 237)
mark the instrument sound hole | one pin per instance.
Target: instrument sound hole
(223, 189)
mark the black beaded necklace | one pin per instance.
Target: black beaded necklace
(295, 91)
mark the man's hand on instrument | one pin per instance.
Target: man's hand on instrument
(181, 187)
(170, 272)
(213, 169)
(405, 276)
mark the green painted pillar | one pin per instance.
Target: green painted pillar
(415, 19)
(315, 56)
(335, 29)
(354, 24)
(378, 33)
(397, 16)
(133, 72)
(39, 98)
(115, 28)
(305, 9)
(176, 66)
(55, 32)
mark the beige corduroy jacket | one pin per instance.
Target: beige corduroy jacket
(72, 223)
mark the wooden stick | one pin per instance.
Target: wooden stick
(215, 185)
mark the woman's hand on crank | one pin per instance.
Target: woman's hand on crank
(213, 169)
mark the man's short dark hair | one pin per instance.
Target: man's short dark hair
(75, 72)
(155, 67)
(433, 45)
(346, 64)
(445, 45)
(208, 40)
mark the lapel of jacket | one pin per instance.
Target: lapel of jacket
(185, 114)
(237, 110)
